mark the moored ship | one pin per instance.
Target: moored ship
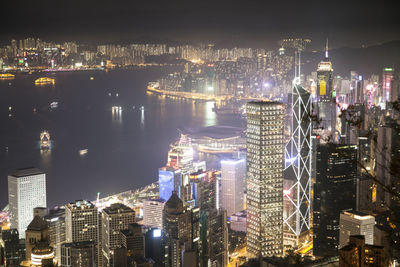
(44, 81)
(45, 140)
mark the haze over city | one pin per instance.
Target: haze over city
(199, 133)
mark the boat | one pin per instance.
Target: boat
(92, 78)
(142, 108)
(116, 108)
(44, 81)
(54, 105)
(44, 140)
(6, 76)
(83, 151)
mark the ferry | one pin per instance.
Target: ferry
(44, 81)
(83, 152)
(6, 76)
(142, 108)
(116, 108)
(92, 78)
(54, 105)
(44, 140)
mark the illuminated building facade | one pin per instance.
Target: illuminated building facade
(387, 77)
(78, 254)
(233, 174)
(357, 253)
(177, 228)
(334, 191)
(180, 156)
(56, 222)
(297, 191)
(356, 223)
(12, 249)
(326, 99)
(115, 218)
(26, 190)
(265, 160)
(153, 212)
(169, 179)
(81, 221)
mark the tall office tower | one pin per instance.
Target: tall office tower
(387, 161)
(387, 77)
(26, 190)
(265, 160)
(297, 190)
(78, 254)
(153, 212)
(177, 229)
(56, 222)
(81, 222)
(115, 218)
(233, 174)
(218, 238)
(169, 179)
(155, 246)
(334, 191)
(12, 249)
(356, 223)
(133, 240)
(326, 99)
(37, 230)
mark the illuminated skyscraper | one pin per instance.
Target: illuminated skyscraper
(298, 164)
(153, 212)
(387, 77)
(169, 179)
(81, 221)
(115, 218)
(233, 173)
(26, 190)
(326, 99)
(265, 161)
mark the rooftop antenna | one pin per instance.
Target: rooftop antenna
(326, 49)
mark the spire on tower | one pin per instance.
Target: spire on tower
(326, 49)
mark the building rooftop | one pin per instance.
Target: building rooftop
(37, 224)
(82, 244)
(214, 132)
(26, 172)
(117, 208)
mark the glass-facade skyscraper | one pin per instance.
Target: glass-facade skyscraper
(265, 162)
(334, 192)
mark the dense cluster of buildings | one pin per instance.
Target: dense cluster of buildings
(316, 178)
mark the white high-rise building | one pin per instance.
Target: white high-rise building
(265, 161)
(26, 190)
(356, 223)
(153, 212)
(233, 173)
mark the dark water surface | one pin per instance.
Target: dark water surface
(124, 151)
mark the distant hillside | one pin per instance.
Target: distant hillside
(367, 61)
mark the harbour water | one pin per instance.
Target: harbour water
(94, 148)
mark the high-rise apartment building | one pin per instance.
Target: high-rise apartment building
(26, 190)
(356, 223)
(233, 174)
(334, 192)
(115, 218)
(265, 162)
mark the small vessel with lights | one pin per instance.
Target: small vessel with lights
(45, 81)
(54, 105)
(44, 140)
(6, 76)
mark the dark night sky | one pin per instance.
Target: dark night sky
(253, 23)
